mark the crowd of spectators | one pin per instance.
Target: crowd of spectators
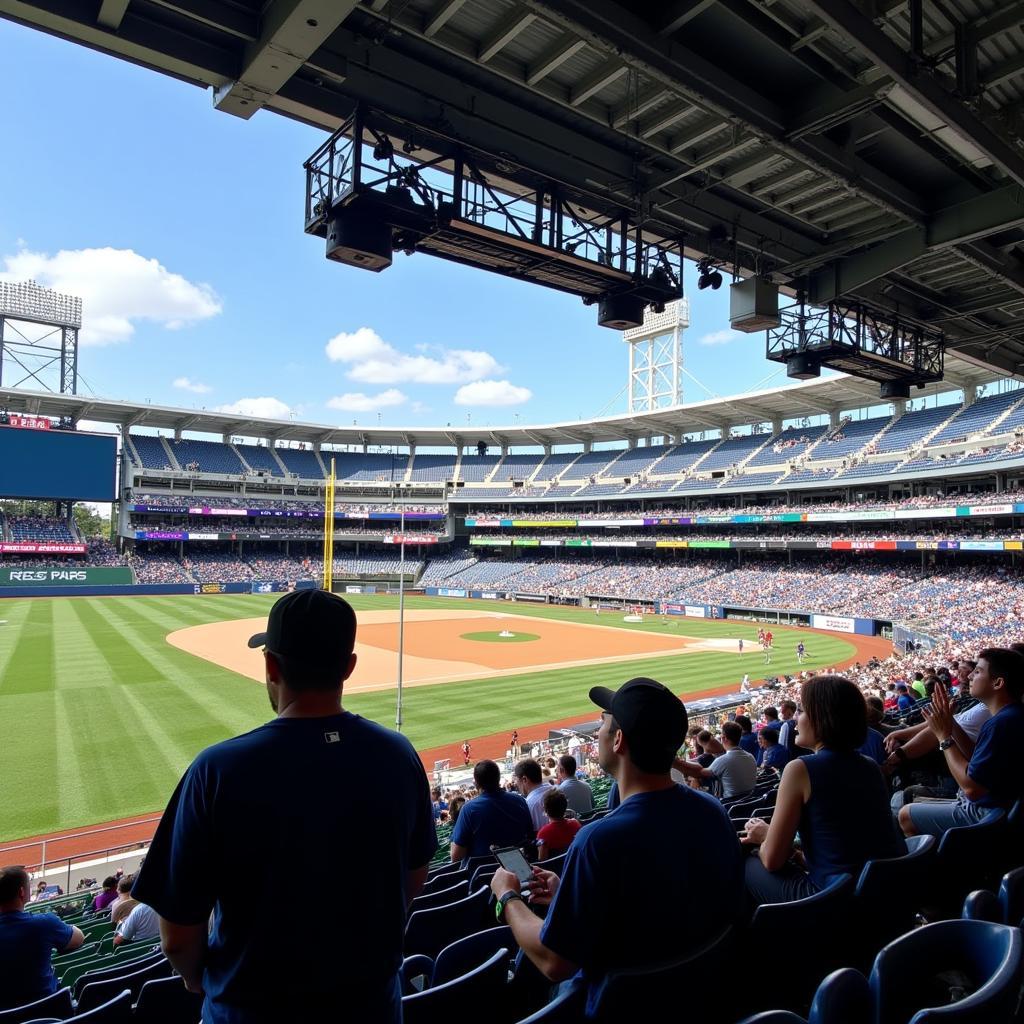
(189, 499)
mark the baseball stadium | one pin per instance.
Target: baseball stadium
(857, 530)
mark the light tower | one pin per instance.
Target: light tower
(656, 357)
(39, 338)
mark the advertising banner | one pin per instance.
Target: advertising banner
(577, 542)
(985, 510)
(981, 545)
(171, 510)
(450, 592)
(353, 590)
(609, 524)
(24, 547)
(540, 598)
(410, 538)
(493, 542)
(926, 513)
(90, 576)
(162, 535)
(695, 611)
(395, 515)
(473, 522)
(709, 544)
(1012, 545)
(489, 595)
(525, 542)
(836, 623)
(671, 543)
(669, 521)
(563, 524)
(205, 511)
(210, 588)
(30, 422)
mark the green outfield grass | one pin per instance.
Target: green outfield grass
(100, 715)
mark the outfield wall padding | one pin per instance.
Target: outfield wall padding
(142, 589)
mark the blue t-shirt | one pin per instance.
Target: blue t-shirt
(904, 703)
(298, 836)
(493, 819)
(996, 763)
(874, 747)
(775, 757)
(27, 942)
(748, 742)
(614, 911)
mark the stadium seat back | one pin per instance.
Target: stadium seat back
(967, 972)
(57, 1005)
(167, 1001)
(888, 895)
(464, 955)
(109, 967)
(968, 857)
(429, 931)
(556, 864)
(982, 905)
(441, 897)
(480, 988)
(117, 1011)
(774, 1017)
(95, 993)
(651, 993)
(844, 997)
(797, 920)
(1011, 897)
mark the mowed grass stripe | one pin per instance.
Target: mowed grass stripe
(130, 711)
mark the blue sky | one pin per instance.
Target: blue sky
(182, 229)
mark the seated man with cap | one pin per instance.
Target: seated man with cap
(295, 798)
(627, 876)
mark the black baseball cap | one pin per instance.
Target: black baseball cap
(652, 718)
(312, 627)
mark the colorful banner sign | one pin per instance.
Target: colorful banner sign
(88, 576)
(24, 547)
(29, 422)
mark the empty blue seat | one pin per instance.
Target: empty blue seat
(96, 993)
(928, 967)
(968, 857)
(117, 1011)
(466, 954)
(441, 897)
(429, 931)
(482, 987)
(844, 997)
(167, 1001)
(1011, 896)
(888, 895)
(57, 1005)
(566, 1008)
(774, 1017)
(982, 905)
(778, 923)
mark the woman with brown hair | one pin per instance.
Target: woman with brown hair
(836, 799)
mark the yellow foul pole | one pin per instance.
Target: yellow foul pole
(328, 580)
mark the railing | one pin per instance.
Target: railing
(50, 859)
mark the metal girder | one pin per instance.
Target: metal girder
(956, 225)
(561, 50)
(698, 133)
(519, 19)
(441, 15)
(746, 171)
(611, 71)
(217, 14)
(637, 106)
(173, 52)
(664, 118)
(1009, 17)
(839, 108)
(111, 13)
(1004, 72)
(611, 27)
(844, 18)
(679, 13)
(292, 31)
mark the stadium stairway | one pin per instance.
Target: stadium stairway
(171, 460)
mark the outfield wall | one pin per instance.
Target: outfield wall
(152, 589)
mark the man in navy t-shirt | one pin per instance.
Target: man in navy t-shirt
(27, 942)
(990, 776)
(317, 791)
(494, 818)
(626, 875)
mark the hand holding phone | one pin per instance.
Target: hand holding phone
(511, 859)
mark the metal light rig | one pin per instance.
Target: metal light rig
(368, 195)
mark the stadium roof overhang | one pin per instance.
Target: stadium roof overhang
(878, 157)
(828, 396)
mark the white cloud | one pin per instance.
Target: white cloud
(118, 288)
(264, 408)
(720, 337)
(192, 385)
(492, 392)
(372, 360)
(356, 401)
